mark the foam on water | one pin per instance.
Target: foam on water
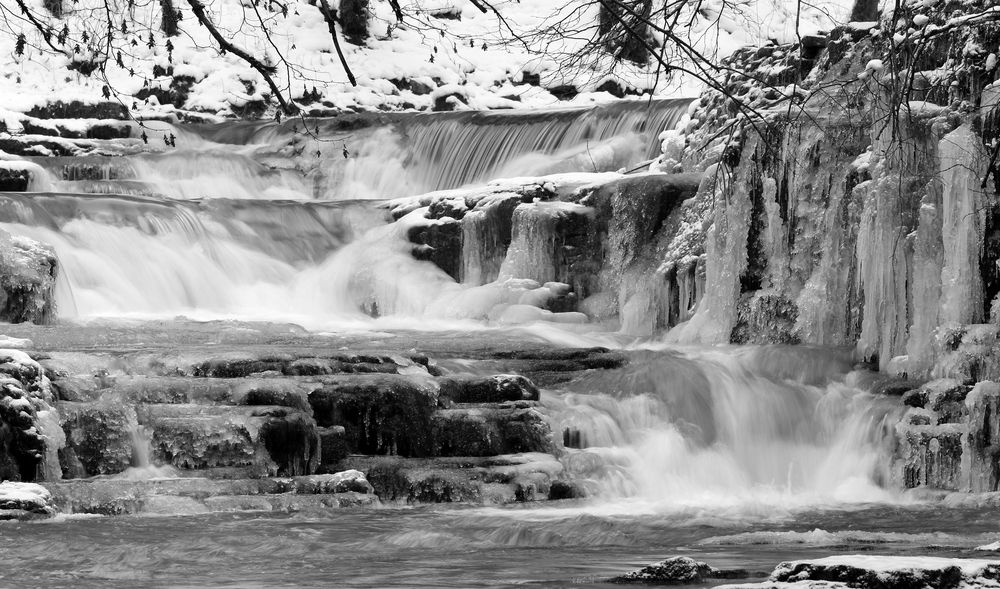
(719, 431)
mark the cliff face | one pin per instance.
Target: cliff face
(863, 213)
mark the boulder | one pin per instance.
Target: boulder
(490, 431)
(25, 501)
(384, 414)
(679, 570)
(491, 389)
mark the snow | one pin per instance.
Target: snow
(970, 567)
(26, 493)
(473, 53)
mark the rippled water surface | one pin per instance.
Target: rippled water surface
(571, 545)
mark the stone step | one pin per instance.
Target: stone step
(115, 496)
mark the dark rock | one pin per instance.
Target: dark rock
(679, 570)
(33, 146)
(79, 110)
(101, 437)
(251, 110)
(333, 447)
(491, 389)
(419, 88)
(564, 92)
(105, 131)
(443, 104)
(917, 398)
(14, 180)
(380, 414)
(281, 392)
(895, 386)
(293, 442)
(531, 79)
(31, 128)
(442, 245)
(566, 490)
(481, 431)
(176, 93)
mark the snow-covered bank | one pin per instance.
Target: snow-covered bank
(445, 53)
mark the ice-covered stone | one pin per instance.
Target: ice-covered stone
(28, 272)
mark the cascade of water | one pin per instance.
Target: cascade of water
(143, 467)
(405, 154)
(726, 428)
(130, 256)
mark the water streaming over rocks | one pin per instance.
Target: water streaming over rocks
(285, 321)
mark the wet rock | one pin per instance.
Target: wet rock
(491, 389)
(892, 572)
(564, 360)
(501, 479)
(895, 386)
(487, 431)
(243, 365)
(679, 570)
(380, 414)
(275, 391)
(99, 438)
(265, 440)
(293, 442)
(441, 244)
(559, 490)
(333, 447)
(28, 272)
(25, 501)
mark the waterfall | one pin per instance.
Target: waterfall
(404, 154)
(728, 428)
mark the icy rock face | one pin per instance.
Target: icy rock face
(949, 438)
(862, 219)
(678, 570)
(25, 501)
(28, 444)
(99, 438)
(27, 280)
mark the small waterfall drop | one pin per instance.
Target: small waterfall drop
(725, 429)
(393, 155)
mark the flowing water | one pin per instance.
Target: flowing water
(739, 456)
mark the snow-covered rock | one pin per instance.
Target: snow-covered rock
(891, 572)
(21, 501)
